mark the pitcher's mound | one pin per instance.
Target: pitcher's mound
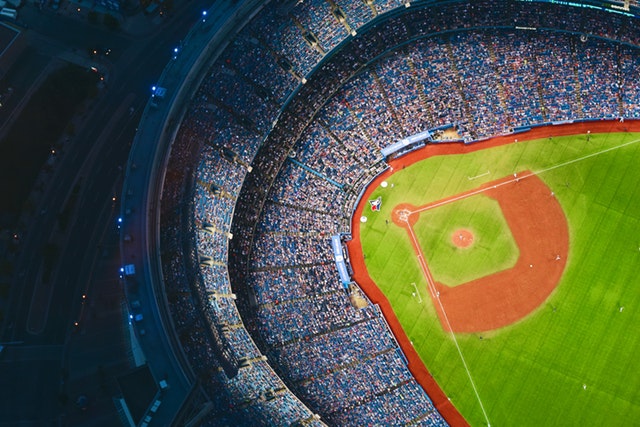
(462, 238)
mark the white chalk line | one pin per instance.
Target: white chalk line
(515, 179)
(471, 178)
(425, 269)
(436, 295)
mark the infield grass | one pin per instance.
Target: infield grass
(572, 362)
(493, 248)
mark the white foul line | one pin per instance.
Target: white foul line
(539, 172)
(425, 268)
(436, 296)
(597, 153)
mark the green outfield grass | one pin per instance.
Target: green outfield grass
(534, 373)
(493, 249)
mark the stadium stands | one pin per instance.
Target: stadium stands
(279, 163)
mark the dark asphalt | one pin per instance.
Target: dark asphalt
(51, 360)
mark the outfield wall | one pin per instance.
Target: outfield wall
(376, 296)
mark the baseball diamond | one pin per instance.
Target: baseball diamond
(499, 299)
(401, 213)
(537, 325)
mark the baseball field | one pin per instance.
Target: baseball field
(511, 271)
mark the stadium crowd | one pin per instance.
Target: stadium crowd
(312, 127)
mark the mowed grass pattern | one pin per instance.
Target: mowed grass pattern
(573, 362)
(493, 248)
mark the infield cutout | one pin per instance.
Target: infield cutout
(539, 227)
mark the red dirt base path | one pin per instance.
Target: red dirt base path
(361, 276)
(540, 230)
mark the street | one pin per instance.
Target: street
(46, 344)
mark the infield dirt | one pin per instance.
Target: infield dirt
(361, 276)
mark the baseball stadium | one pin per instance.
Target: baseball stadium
(387, 213)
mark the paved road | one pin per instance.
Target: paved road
(35, 370)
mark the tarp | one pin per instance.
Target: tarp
(338, 255)
(405, 142)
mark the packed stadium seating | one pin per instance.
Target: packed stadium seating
(309, 94)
